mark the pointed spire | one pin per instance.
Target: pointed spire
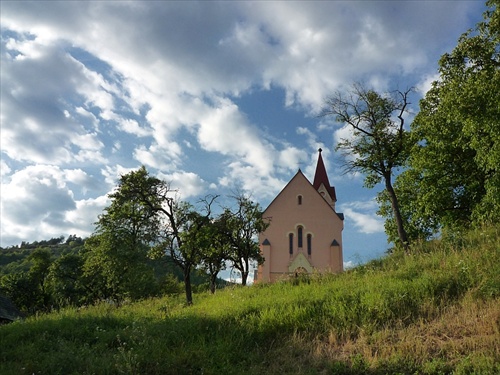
(320, 177)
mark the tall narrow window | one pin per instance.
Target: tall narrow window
(299, 200)
(299, 235)
(290, 243)
(309, 244)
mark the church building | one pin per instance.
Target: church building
(305, 231)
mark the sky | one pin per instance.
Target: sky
(213, 97)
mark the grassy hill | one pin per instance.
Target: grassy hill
(436, 311)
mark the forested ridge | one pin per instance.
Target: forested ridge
(42, 276)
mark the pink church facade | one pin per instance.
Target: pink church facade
(305, 231)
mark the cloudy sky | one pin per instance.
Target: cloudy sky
(211, 96)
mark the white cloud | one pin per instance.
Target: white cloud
(426, 83)
(291, 158)
(112, 174)
(133, 127)
(186, 183)
(164, 158)
(81, 220)
(34, 203)
(4, 168)
(227, 131)
(348, 265)
(362, 214)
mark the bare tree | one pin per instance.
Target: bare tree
(379, 143)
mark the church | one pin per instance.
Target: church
(305, 231)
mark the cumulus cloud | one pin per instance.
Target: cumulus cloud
(36, 199)
(187, 184)
(37, 124)
(362, 214)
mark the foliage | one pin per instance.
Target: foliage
(453, 179)
(218, 249)
(116, 262)
(431, 312)
(379, 143)
(115, 268)
(243, 224)
(29, 289)
(66, 283)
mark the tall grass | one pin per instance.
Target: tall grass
(433, 312)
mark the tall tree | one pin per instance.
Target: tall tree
(185, 237)
(243, 224)
(379, 143)
(173, 228)
(218, 249)
(116, 258)
(453, 179)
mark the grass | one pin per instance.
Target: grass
(436, 311)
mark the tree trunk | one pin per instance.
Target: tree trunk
(213, 278)
(244, 276)
(187, 286)
(244, 273)
(403, 237)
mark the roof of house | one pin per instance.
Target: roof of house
(320, 177)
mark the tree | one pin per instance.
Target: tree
(116, 258)
(29, 289)
(67, 283)
(148, 207)
(242, 227)
(379, 144)
(218, 250)
(453, 175)
(185, 236)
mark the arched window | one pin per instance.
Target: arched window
(290, 243)
(309, 244)
(299, 200)
(299, 235)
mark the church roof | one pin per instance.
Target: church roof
(320, 177)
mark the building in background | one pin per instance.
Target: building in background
(305, 231)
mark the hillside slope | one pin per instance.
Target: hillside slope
(434, 312)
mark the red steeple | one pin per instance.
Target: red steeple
(320, 177)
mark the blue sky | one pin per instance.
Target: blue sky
(211, 96)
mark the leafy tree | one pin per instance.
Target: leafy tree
(146, 214)
(218, 249)
(67, 282)
(453, 179)
(41, 260)
(379, 144)
(20, 288)
(242, 226)
(116, 258)
(29, 289)
(185, 236)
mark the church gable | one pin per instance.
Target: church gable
(298, 192)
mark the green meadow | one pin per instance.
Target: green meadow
(436, 311)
